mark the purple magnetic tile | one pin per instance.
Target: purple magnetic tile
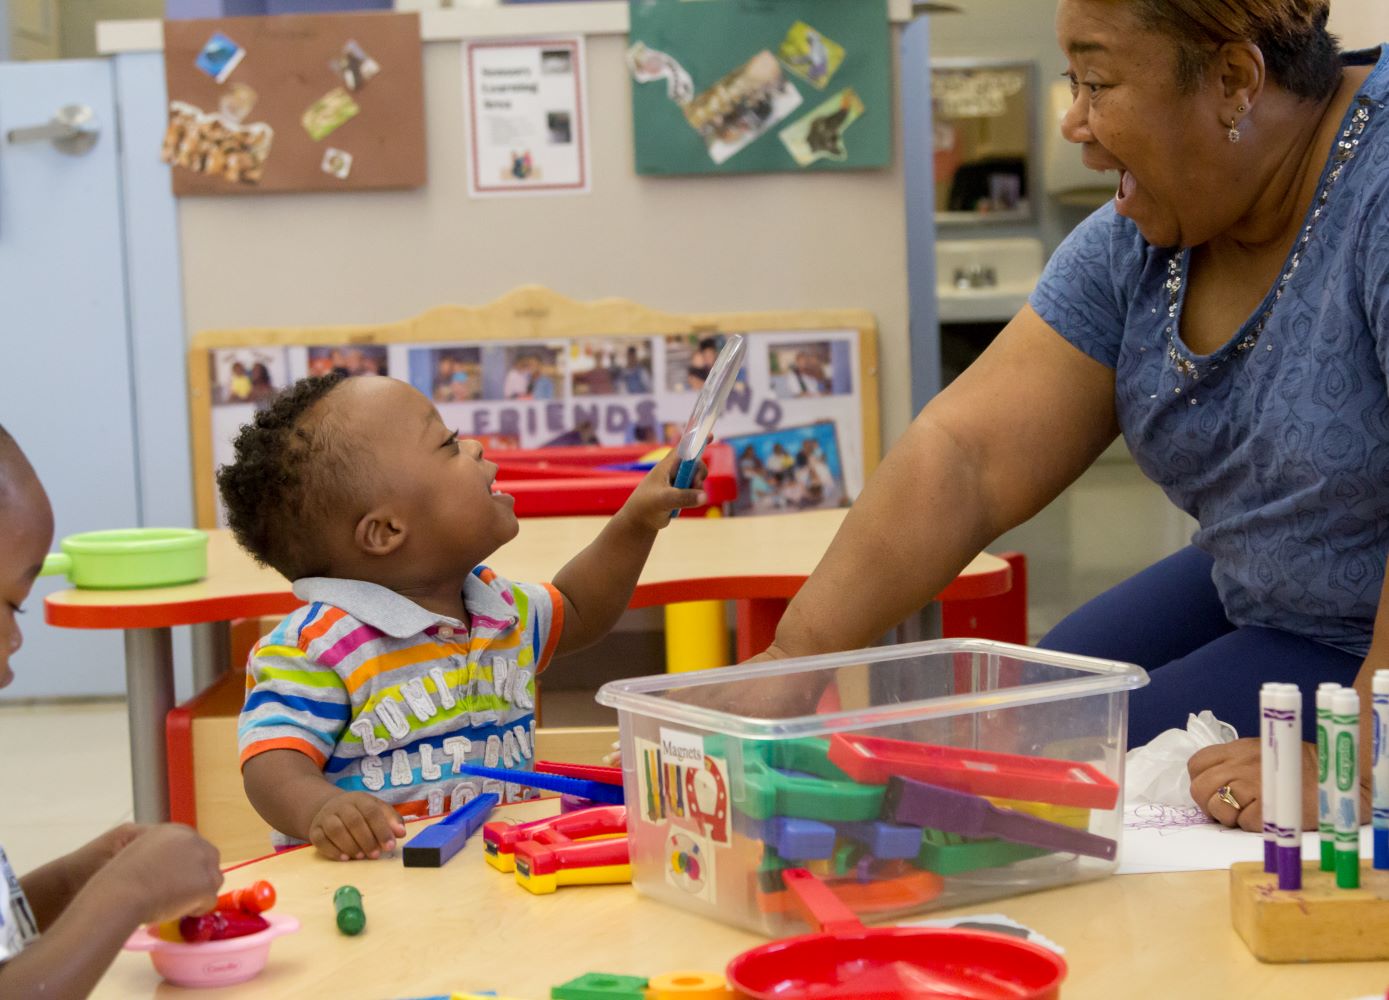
(919, 804)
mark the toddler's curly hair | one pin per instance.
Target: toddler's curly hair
(293, 467)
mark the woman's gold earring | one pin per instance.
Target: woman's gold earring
(1234, 132)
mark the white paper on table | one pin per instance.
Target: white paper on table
(1182, 839)
(996, 922)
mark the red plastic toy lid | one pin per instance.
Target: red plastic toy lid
(897, 962)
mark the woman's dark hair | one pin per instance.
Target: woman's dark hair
(1302, 57)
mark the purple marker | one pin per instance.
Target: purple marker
(1285, 722)
(1267, 790)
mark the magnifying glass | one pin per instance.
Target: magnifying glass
(708, 407)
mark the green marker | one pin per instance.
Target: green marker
(1326, 777)
(1345, 755)
(347, 902)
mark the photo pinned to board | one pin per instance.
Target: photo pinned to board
(209, 144)
(791, 468)
(349, 359)
(336, 163)
(819, 135)
(447, 374)
(690, 358)
(610, 366)
(742, 106)
(354, 66)
(523, 371)
(810, 55)
(647, 65)
(219, 56)
(812, 368)
(248, 375)
(328, 113)
(237, 103)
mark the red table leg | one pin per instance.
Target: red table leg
(757, 622)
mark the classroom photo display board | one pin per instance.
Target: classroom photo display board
(737, 86)
(535, 369)
(294, 102)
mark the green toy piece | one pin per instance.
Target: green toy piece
(347, 904)
(951, 854)
(846, 856)
(827, 794)
(600, 986)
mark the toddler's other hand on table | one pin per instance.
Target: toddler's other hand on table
(354, 826)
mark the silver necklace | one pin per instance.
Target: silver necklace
(1345, 150)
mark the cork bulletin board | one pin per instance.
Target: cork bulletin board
(315, 102)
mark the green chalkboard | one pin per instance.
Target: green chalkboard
(741, 86)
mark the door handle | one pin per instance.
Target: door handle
(73, 130)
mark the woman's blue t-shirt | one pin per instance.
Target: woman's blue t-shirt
(1278, 443)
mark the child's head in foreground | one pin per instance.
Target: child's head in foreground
(359, 478)
(26, 532)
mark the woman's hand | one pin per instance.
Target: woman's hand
(1235, 767)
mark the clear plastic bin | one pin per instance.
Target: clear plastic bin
(909, 778)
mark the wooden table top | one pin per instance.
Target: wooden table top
(466, 927)
(693, 559)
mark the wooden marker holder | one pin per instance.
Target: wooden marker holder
(1318, 923)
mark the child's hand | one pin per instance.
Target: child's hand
(354, 826)
(654, 498)
(167, 871)
(94, 855)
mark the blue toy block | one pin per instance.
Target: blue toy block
(800, 839)
(597, 791)
(433, 846)
(884, 841)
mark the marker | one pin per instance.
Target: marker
(1285, 723)
(1381, 768)
(1266, 780)
(1345, 750)
(347, 904)
(255, 898)
(1326, 783)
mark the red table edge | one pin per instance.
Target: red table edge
(714, 588)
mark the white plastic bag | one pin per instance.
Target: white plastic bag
(1156, 773)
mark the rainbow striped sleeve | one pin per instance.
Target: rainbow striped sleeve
(540, 614)
(292, 702)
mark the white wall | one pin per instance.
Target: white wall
(1360, 23)
(721, 244)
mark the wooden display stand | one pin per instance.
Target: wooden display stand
(534, 316)
(1319, 923)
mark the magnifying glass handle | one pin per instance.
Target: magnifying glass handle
(684, 475)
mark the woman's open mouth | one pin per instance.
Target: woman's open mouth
(1127, 185)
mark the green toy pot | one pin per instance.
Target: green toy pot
(131, 557)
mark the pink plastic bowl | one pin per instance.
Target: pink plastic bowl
(212, 963)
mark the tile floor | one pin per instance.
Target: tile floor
(68, 773)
